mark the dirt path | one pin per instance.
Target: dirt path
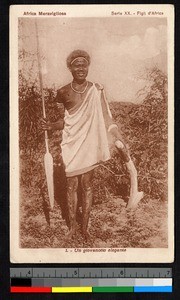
(111, 226)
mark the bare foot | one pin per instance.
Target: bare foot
(134, 200)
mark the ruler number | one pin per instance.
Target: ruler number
(122, 272)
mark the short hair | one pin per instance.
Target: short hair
(75, 54)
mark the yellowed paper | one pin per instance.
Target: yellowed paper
(131, 48)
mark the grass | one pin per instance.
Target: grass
(111, 225)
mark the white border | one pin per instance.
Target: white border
(19, 255)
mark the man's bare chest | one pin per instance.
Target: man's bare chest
(72, 100)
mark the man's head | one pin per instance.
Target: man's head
(78, 63)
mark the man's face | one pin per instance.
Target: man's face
(79, 69)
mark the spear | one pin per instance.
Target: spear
(48, 160)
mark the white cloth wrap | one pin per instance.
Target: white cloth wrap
(84, 140)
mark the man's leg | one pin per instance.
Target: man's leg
(72, 185)
(87, 196)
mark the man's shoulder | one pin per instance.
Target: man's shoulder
(99, 86)
(62, 90)
(62, 93)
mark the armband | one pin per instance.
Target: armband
(112, 126)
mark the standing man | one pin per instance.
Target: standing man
(86, 126)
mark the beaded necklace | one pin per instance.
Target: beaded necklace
(79, 92)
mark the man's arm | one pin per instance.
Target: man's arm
(58, 125)
(109, 122)
(112, 127)
(47, 125)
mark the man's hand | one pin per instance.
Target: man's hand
(45, 125)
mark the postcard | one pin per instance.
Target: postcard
(92, 133)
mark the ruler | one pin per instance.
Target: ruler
(63, 280)
(91, 272)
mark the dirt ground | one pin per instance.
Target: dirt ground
(111, 225)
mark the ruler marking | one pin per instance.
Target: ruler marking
(93, 273)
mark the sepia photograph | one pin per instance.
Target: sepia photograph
(91, 133)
